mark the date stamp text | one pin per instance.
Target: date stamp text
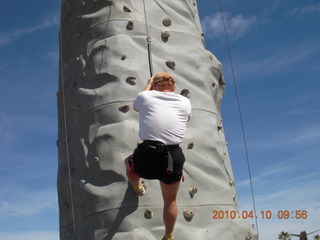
(280, 214)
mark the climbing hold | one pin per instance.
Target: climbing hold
(190, 145)
(124, 108)
(130, 25)
(249, 236)
(68, 233)
(186, 93)
(231, 182)
(202, 34)
(221, 82)
(171, 65)
(213, 84)
(148, 39)
(123, 57)
(126, 9)
(194, 4)
(65, 64)
(131, 80)
(211, 57)
(65, 3)
(165, 34)
(65, 45)
(78, 35)
(96, 159)
(66, 205)
(57, 94)
(68, 19)
(219, 126)
(78, 108)
(82, 209)
(234, 196)
(148, 214)
(188, 214)
(144, 184)
(192, 191)
(166, 22)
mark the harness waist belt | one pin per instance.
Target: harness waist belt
(161, 147)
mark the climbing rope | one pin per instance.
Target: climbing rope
(66, 132)
(314, 231)
(148, 40)
(240, 115)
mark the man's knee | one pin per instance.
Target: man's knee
(170, 191)
(128, 164)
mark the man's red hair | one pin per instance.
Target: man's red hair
(164, 80)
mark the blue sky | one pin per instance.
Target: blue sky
(275, 47)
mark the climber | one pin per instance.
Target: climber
(163, 117)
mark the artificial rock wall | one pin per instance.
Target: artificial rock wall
(104, 64)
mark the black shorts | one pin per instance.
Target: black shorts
(150, 163)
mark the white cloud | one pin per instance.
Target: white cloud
(269, 229)
(294, 194)
(307, 136)
(15, 127)
(236, 26)
(315, 8)
(6, 134)
(6, 38)
(54, 56)
(29, 236)
(274, 171)
(288, 138)
(18, 202)
(280, 61)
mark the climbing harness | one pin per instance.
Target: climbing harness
(162, 148)
(240, 115)
(148, 41)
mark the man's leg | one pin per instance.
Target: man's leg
(170, 210)
(134, 179)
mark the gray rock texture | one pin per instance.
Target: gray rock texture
(104, 64)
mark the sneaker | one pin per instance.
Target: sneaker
(167, 237)
(140, 192)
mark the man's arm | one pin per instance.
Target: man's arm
(149, 85)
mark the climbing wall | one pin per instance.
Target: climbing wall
(104, 64)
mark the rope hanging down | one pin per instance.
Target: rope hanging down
(240, 115)
(66, 134)
(66, 142)
(148, 40)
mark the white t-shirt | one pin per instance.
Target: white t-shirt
(163, 116)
